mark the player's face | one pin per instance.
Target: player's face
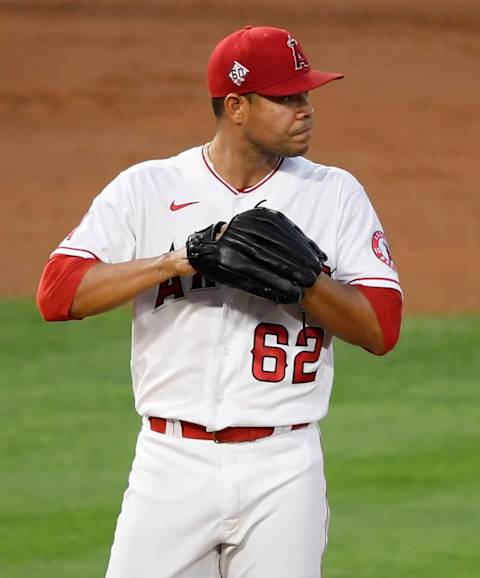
(279, 125)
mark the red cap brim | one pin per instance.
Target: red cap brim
(299, 83)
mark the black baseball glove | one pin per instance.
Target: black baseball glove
(262, 252)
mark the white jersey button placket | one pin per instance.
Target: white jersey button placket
(223, 353)
(223, 350)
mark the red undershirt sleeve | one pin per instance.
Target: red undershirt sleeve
(58, 285)
(387, 304)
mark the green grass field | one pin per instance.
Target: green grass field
(401, 442)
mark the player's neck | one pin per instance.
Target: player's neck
(238, 165)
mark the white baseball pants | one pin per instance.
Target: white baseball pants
(197, 509)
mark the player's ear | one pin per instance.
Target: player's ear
(236, 106)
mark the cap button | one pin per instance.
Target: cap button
(247, 27)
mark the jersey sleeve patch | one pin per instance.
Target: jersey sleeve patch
(381, 250)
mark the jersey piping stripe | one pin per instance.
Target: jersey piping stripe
(373, 279)
(233, 189)
(81, 250)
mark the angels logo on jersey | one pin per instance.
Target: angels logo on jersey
(381, 250)
(299, 58)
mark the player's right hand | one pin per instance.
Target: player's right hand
(180, 263)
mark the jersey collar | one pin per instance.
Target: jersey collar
(211, 168)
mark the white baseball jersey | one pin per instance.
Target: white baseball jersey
(210, 354)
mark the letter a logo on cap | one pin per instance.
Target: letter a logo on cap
(300, 60)
(238, 73)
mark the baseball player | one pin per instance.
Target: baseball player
(243, 260)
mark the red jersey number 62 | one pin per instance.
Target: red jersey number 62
(278, 358)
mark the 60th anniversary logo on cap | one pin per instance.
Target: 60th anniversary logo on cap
(238, 73)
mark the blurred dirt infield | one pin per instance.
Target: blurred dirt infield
(88, 88)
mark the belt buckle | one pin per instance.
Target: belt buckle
(217, 441)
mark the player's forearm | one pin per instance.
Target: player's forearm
(345, 312)
(106, 286)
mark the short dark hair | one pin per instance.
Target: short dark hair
(217, 104)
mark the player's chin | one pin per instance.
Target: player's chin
(296, 149)
(298, 144)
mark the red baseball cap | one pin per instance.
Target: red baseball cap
(265, 60)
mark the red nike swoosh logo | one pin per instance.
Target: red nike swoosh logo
(175, 207)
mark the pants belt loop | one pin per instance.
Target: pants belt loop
(177, 428)
(169, 427)
(281, 429)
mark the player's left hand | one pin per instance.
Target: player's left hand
(261, 252)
